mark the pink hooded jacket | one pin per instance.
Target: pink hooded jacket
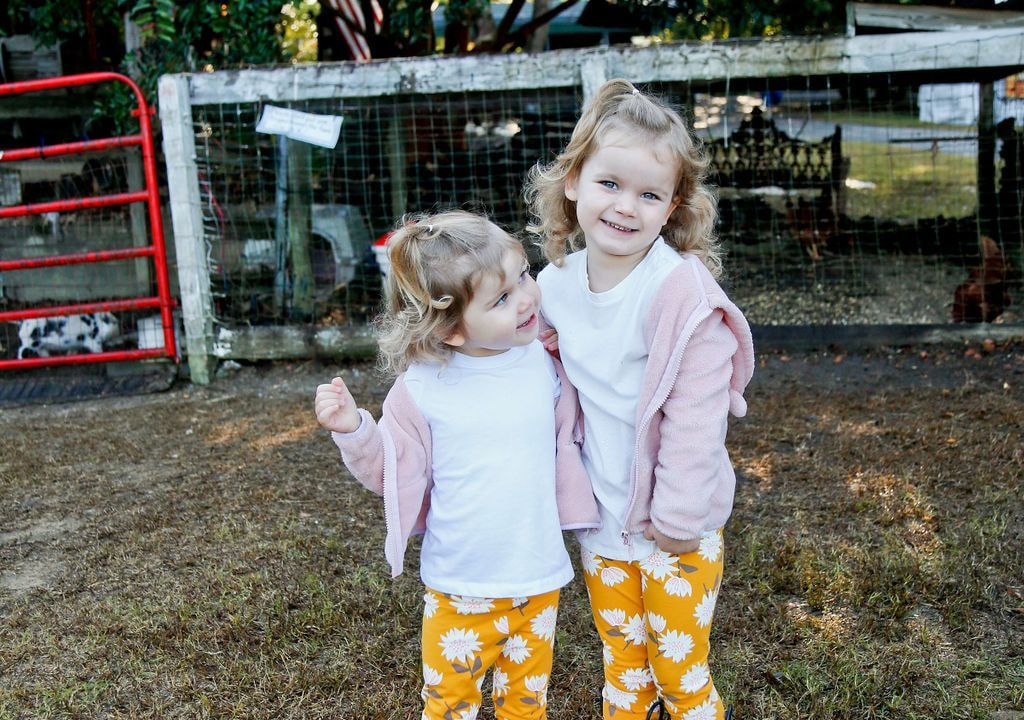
(393, 459)
(700, 360)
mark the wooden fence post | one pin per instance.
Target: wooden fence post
(300, 221)
(593, 74)
(987, 206)
(187, 218)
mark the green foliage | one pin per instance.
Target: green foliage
(708, 19)
(412, 26)
(54, 20)
(155, 19)
(464, 11)
(192, 36)
(298, 30)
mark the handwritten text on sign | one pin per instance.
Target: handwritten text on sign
(322, 130)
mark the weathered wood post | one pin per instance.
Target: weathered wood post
(187, 217)
(300, 222)
(593, 74)
(136, 182)
(137, 221)
(396, 166)
(987, 205)
(280, 224)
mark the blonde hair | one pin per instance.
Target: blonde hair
(437, 261)
(620, 106)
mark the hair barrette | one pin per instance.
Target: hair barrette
(636, 91)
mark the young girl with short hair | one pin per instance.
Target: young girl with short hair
(476, 449)
(659, 356)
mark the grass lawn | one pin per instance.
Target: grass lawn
(910, 182)
(883, 118)
(201, 553)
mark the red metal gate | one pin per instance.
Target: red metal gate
(150, 195)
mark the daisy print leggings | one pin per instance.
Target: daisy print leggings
(463, 637)
(654, 619)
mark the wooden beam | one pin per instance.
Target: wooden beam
(187, 219)
(593, 74)
(866, 337)
(300, 223)
(1001, 50)
(289, 342)
(395, 144)
(988, 205)
(54, 105)
(924, 17)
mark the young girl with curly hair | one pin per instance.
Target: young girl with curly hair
(477, 449)
(659, 356)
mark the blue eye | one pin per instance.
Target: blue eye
(650, 196)
(610, 184)
(502, 300)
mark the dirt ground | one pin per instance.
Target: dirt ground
(201, 552)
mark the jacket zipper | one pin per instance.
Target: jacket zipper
(677, 361)
(388, 441)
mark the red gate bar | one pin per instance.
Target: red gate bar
(94, 307)
(106, 356)
(75, 258)
(74, 204)
(46, 151)
(150, 195)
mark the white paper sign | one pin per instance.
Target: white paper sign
(322, 130)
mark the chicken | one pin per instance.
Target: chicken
(811, 224)
(983, 296)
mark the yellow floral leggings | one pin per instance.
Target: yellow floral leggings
(464, 637)
(654, 618)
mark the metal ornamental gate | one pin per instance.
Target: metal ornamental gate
(155, 250)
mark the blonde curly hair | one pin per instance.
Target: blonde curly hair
(618, 105)
(437, 262)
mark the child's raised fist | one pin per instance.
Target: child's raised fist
(335, 408)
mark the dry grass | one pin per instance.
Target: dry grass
(200, 553)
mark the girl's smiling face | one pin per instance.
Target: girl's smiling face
(502, 313)
(624, 195)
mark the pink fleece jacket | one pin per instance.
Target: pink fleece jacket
(393, 459)
(700, 360)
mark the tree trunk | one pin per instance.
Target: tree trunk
(538, 42)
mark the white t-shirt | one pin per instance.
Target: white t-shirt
(600, 341)
(492, 528)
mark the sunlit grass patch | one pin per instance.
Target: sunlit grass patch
(910, 182)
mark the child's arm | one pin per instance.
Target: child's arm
(692, 457)
(354, 432)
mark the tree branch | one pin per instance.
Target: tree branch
(520, 35)
(506, 22)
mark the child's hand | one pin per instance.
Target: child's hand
(670, 545)
(335, 407)
(549, 339)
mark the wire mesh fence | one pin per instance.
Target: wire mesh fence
(846, 197)
(394, 155)
(838, 204)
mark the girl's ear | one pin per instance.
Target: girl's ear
(456, 339)
(676, 202)
(570, 188)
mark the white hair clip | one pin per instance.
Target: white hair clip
(430, 228)
(636, 91)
